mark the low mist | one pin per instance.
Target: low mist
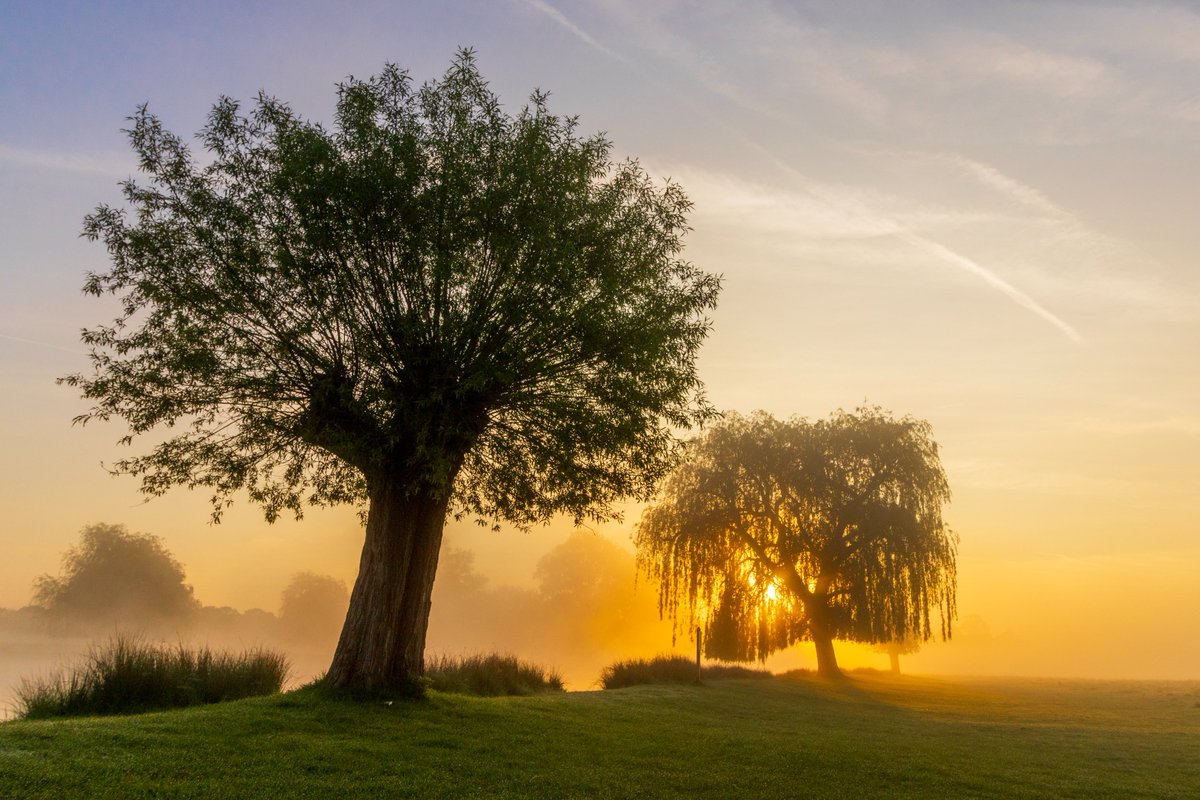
(581, 608)
(584, 611)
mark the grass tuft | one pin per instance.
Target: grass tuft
(127, 675)
(668, 669)
(490, 675)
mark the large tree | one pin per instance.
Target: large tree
(430, 307)
(770, 532)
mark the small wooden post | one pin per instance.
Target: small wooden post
(697, 654)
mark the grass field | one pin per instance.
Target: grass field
(795, 736)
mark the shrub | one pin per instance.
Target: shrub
(668, 669)
(489, 675)
(126, 675)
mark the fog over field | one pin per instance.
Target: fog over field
(582, 607)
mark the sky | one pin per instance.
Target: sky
(979, 214)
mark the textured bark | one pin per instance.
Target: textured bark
(382, 646)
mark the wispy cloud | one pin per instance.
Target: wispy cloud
(1173, 426)
(1101, 264)
(36, 343)
(553, 13)
(674, 45)
(66, 162)
(997, 61)
(1015, 190)
(884, 223)
(814, 212)
(1053, 75)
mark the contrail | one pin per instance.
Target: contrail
(885, 224)
(556, 15)
(992, 279)
(69, 162)
(58, 347)
(936, 249)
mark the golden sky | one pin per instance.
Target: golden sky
(983, 215)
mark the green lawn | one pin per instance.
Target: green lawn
(871, 736)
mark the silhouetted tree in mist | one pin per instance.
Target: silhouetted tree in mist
(114, 577)
(896, 648)
(588, 585)
(429, 307)
(471, 614)
(780, 531)
(313, 607)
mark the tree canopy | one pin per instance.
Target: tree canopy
(116, 577)
(431, 307)
(771, 532)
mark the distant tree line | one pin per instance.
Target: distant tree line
(114, 579)
(582, 611)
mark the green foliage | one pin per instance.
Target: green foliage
(866, 737)
(489, 676)
(669, 669)
(432, 307)
(777, 531)
(127, 675)
(432, 294)
(114, 576)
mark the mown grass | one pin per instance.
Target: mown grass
(866, 736)
(668, 669)
(126, 675)
(491, 675)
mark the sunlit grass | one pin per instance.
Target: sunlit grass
(490, 675)
(865, 737)
(128, 675)
(668, 669)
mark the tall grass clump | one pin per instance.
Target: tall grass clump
(489, 675)
(668, 669)
(127, 675)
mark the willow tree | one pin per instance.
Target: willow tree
(431, 307)
(770, 532)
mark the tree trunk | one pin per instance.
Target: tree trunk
(827, 665)
(895, 657)
(382, 646)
